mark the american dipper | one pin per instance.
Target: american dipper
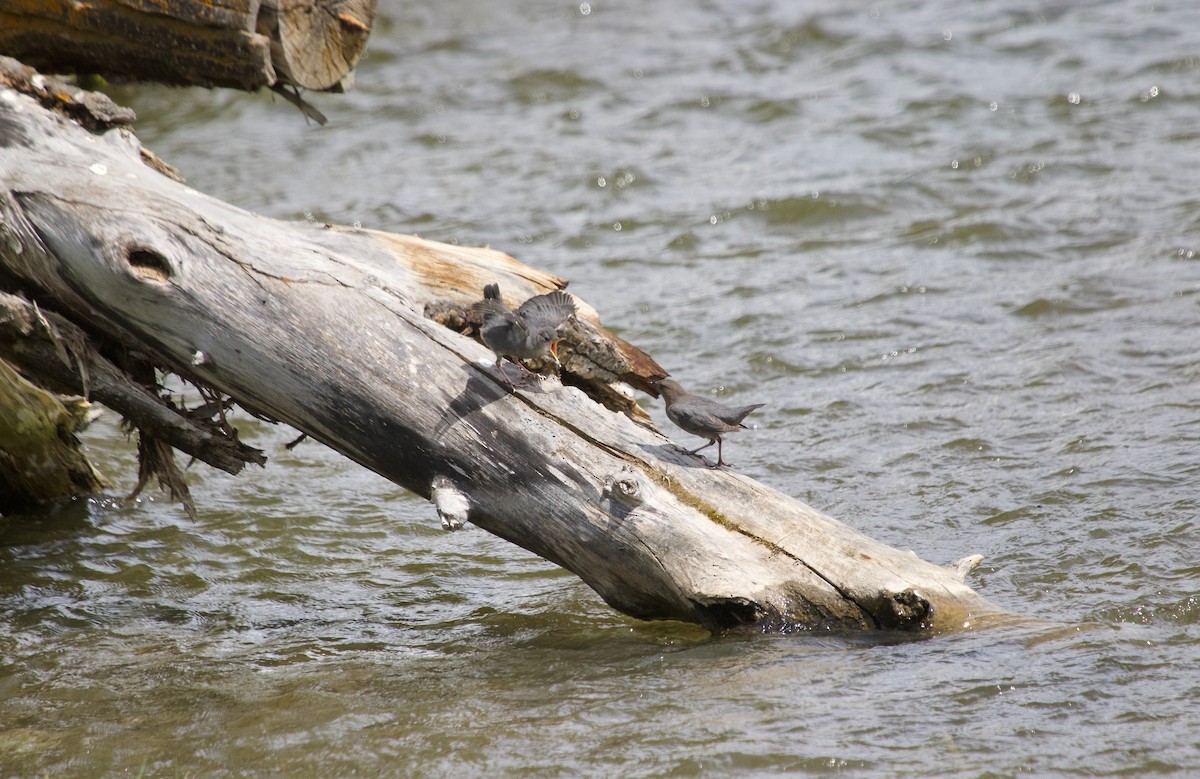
(702, 416)
(530, 331)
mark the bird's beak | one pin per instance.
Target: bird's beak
(554, 353)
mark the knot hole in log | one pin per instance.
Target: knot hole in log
(148, 264)
(624, 493)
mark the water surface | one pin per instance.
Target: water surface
(952, 247)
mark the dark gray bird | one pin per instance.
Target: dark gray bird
(702, 416)
(532, 331)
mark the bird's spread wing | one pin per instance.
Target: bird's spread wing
(547, 311)
(496, 314)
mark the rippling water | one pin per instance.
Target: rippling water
(953, 248)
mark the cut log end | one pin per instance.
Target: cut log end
(316, 45)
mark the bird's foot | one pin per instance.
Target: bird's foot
(508, 379)
(707, 462)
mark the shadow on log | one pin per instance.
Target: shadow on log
(324, 328)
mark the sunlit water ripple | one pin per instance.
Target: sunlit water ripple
(952, 248)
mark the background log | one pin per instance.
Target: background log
(243, 44)
(323, 328)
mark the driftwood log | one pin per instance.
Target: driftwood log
(325, 328)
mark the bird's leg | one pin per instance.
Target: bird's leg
(528, 374)
(504, 373)
(720, 458)
(710, 443)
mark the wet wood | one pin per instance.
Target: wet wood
(40, 457)
(324, 328)
(243, 44)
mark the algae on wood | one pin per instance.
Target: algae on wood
(40, 456)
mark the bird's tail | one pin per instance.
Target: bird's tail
(492, 292)
(743, 412)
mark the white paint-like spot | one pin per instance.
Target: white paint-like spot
(199, 358)
(99, 168)
(451, 504)
(38, 81)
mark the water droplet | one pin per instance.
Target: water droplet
(954, 164)
(1073, 98)
(617, 226)
(585, 9)
(947, 35)
(993, 106)
(600, 182)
